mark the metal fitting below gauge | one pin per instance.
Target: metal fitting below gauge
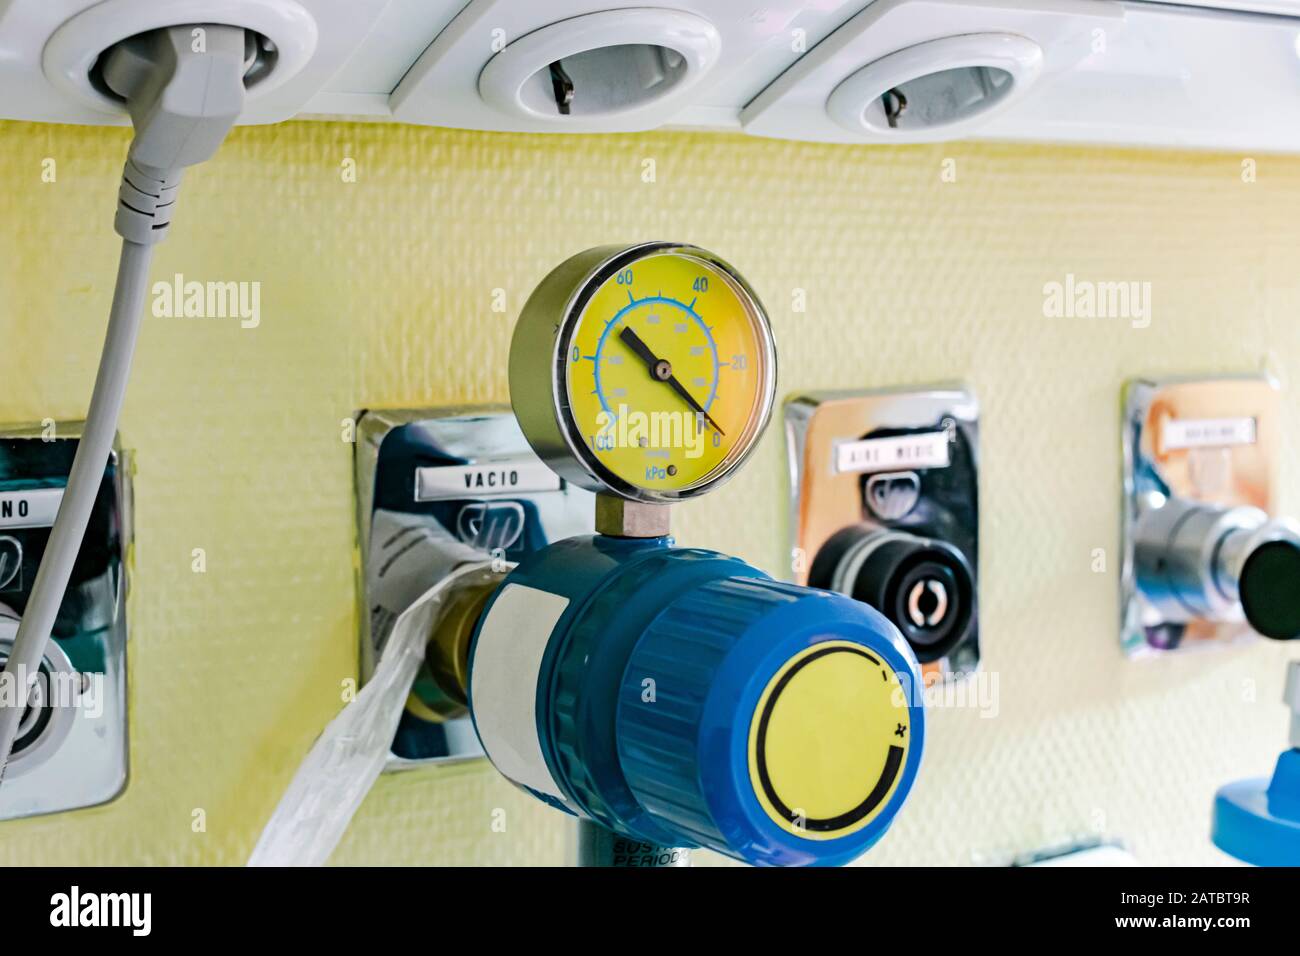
(885, 509)
(438, 489)
(71, 748)
(1203, 561)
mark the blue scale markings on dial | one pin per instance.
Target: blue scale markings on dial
(634, 303)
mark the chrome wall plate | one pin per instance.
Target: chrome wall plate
(1199, 485)
(437, 488)
(72, 746)
(885, 507)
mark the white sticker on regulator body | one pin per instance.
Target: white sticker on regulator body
(507, 662)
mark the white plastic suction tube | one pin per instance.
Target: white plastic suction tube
(350, 753)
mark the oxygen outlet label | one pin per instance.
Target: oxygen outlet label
(829, 740)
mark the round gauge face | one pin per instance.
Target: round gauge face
(669, 373)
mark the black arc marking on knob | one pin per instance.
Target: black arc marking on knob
(893, 760)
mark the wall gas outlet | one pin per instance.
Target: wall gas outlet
(885, 508)
(1204, 560)
(71, 749)
(436, 489)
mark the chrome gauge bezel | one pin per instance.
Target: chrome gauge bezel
(559, 441)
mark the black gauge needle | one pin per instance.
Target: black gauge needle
(662, 370)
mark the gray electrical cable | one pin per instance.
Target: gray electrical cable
(83, 487)
(183, 97)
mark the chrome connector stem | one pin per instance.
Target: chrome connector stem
(630, 519)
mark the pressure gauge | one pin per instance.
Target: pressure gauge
(647, 371)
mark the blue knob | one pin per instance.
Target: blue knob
(682, 697)
(1258, 820)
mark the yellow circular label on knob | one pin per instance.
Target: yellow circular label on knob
(828, 741)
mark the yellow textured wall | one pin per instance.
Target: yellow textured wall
(380, 292)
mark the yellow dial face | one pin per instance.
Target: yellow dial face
(668, 373)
